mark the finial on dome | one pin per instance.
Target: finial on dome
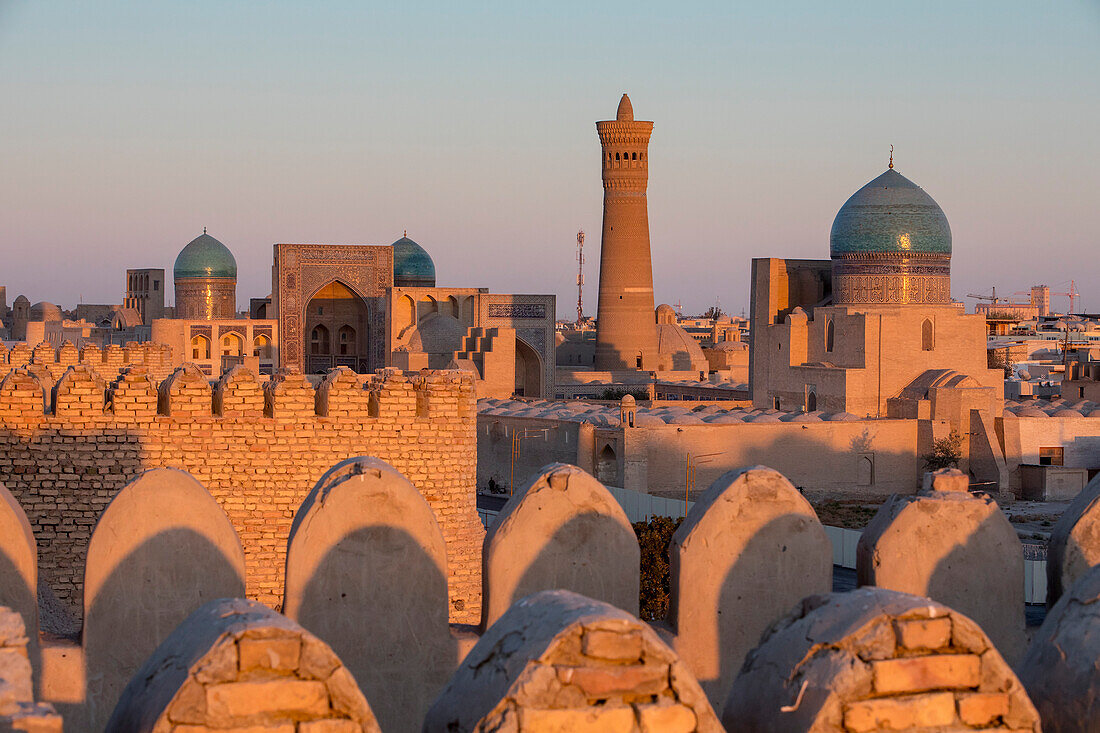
(406, 233)
(204, 230)
(625, 112)
(891, 157)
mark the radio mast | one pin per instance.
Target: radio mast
(580, 278)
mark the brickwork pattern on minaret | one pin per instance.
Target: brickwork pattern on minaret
(626, 333)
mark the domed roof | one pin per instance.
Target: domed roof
(890, 214)
(205, 256)
(412, 266)
(665, 313)
(678, 349)
(48, 312)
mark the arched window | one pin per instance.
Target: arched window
(617, 156)
(829, 335)
(261, 346)
(232, 345)
(927, 335)
(200, 348)
(633, 156)
(607, 466)
(811, 402)
(318, 341)
(345, 339)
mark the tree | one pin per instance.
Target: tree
(946, 453)
(654, 538)
(713, 312)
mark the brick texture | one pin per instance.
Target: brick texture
(259, 459)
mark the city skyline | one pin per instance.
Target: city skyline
(474, 130)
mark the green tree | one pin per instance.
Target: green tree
(946, 453)
(654, 538)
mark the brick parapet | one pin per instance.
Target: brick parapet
(65, 469)
(107, 362)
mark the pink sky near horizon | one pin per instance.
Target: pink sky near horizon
(131, 129)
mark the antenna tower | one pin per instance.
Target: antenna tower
(580, 278)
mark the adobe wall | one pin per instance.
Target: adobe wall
(1024, 436)
(259, 457)
(824, 456)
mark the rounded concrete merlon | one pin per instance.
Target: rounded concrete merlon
(559, 658)
(238, 394)
(235, 663)
(18, 567)
(946, 480)
(1074, 544)
(1060, 670)
(955, 547)
(157, 501)
(22, 394)
(563, 530)
(15, 667)
(750, 548)
(79, 393)
(356, 492)
(161, 549)
(872, 660)
(186, 393)
(366, 553)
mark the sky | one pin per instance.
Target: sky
(126, 127)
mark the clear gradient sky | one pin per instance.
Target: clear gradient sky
(125, 127)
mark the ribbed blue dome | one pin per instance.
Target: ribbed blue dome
(205, 256)
(890, 214)
(412, 266)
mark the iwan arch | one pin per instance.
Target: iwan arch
(369, 306)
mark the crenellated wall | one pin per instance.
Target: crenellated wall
(108, 362)
(67, 449)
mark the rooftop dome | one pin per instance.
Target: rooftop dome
(205, 256)
(890, 214)
(412, 266)
(48, 312)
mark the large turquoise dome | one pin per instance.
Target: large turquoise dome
(891, 214)
(412, 266)
(205, 256)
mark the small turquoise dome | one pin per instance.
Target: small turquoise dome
(890, 214)
(412, 266)
(205, 256)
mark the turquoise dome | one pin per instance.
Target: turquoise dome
(412, 266)
(205, 256)
(891, 214)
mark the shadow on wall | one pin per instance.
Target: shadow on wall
(993, 597)
(145, 596)
(88, 469)
(583, 555)
(381, 602)
(779, 565)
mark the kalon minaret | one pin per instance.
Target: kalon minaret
(626, 331)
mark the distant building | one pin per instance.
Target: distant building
(205, 277)
(145, 293)
(875, 323)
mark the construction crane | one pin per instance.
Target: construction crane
(580, 278)
(1073, 294)
(991, 298)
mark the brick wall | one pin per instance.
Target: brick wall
(259, 457)
(108, 362)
